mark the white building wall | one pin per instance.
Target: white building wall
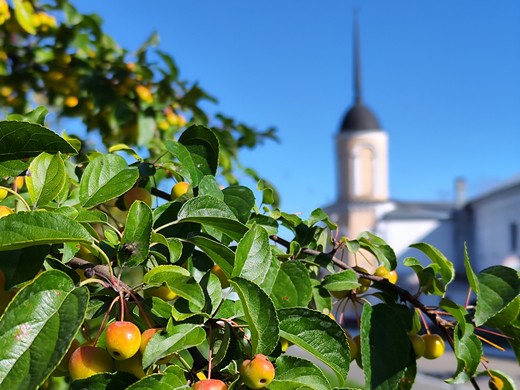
(400, 234)
(492, 218)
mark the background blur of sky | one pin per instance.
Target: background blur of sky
(443, 78)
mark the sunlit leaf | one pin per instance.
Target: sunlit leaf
(380, 371)
(105, 178)
(135, 242)
(319, 335)
(38, 327)
(260, 314)
(293, 286)
(19, 140)
(253, 255)
(295, 373)
(497, 287)
(37, 228)
(45, 178)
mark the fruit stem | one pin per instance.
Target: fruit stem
(93, 281)
(20, 197)
(490, 343)
(166, 225)
(466, 304)
(141, 309)
(102, 326)
(105, 258)
(424, 322)
(183, 362)
(122, 304)
(210, 352)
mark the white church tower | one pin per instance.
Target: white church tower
(362, 164)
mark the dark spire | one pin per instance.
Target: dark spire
(357, 59)
(359, 116)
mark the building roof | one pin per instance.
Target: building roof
(360, 117)
(420, 210)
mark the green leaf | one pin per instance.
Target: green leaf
(174, 339)
(212, 287)
(203, 146)
(321, 297)
(209, 186)
(104, 381)
(25, 229)
(188, 170)
(240, 200)
(319, 335)
(106, 177)
(268, 223)
(220, 254)
(253, 255)
(24, 13)
(514, 339)
(446, 268)
(37, 115)
(135, 242)
(379, 248)
(497, 287)
(293, 286)
(428, 281)
(341, 281)
(171, 379)
(45, 178)
(509, 384)
(318, 215)
(295, 373)
(505, 317)
(13, 168)
(23, 264)
(19, 140)
(38, 327)
(178, 280)
(125, 148)
(383, 335)
(174, 246)
(91, 216)
(260, 315)
(467, 347)
(213, 215)
(147, 127)
(472, 278)
(468, 351)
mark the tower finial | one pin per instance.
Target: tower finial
(357, 60)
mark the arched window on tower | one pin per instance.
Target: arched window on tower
(363, 171)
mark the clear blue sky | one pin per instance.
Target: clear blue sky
(443, 77)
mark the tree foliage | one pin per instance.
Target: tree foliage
(208, 268)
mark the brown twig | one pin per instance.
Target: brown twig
(445, 326)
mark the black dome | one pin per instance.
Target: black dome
(359, 117)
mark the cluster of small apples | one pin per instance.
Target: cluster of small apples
(125, 345)
(428, 345)
(255, 373)
(171, 119)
